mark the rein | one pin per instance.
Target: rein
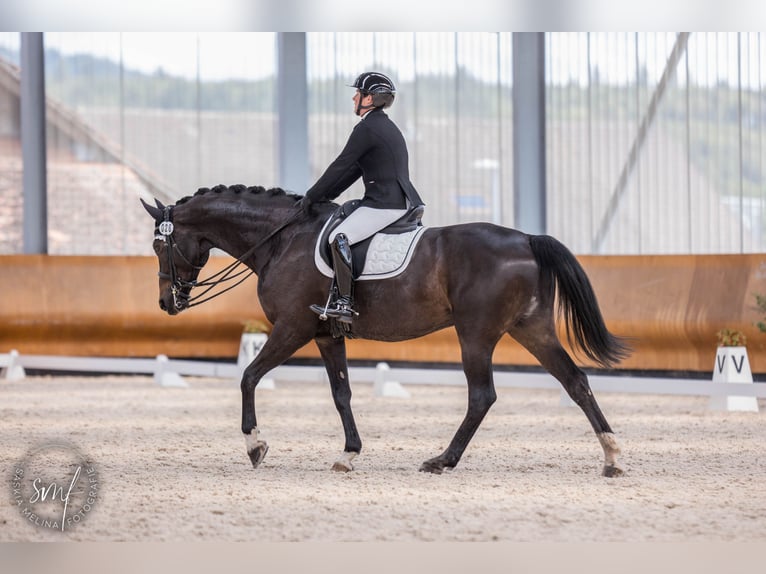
(182, 300)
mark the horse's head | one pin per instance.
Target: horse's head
(181, 252)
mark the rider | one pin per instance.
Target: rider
(377, 153)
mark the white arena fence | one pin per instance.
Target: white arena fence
(388, 381)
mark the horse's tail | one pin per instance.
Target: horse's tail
(577, 301)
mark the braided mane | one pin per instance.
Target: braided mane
(239, 189)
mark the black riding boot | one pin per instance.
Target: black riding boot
(340, 308)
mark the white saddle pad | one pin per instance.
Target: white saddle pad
(387, 256)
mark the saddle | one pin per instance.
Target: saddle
(389, 250)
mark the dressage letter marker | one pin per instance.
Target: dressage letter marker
(250, 345)
(732, 366)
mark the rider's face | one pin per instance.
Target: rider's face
(366, 101)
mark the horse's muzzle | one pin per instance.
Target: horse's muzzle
(172, 305)
(169, 309)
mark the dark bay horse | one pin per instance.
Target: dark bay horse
(484, 279)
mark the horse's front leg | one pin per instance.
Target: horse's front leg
(334, 355)
(279, 347)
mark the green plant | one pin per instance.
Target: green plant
(731, 338)
(255, 326)
(760, 301)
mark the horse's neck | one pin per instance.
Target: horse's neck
(243, 231)
(238, 233)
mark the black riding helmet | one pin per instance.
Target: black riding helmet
(379, 86)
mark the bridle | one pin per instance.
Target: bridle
(181, 288)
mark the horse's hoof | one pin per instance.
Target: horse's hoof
(343, 464)
(434, 466)
(258, 453)
(611, 471)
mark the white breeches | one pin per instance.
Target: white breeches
(364, 222)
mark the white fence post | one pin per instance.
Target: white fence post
(382, 387)
(12, 369)
(164, 377)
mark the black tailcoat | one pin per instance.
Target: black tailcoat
(375, 151)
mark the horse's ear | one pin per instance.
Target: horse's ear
(158, 203)
(155, 212)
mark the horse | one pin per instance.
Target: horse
(484, 279)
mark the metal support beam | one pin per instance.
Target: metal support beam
(293, 112)
(35, 227)
(529, 132)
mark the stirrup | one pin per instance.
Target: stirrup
(342, 311)
(322, 311)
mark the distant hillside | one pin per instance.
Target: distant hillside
(712, 120)
(96, 81)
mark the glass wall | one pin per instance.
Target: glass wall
(655, 142)
(453, 105)
(10, 146)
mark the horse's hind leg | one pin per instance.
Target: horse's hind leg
(552, 356)
(477, 365)
(334, 355)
